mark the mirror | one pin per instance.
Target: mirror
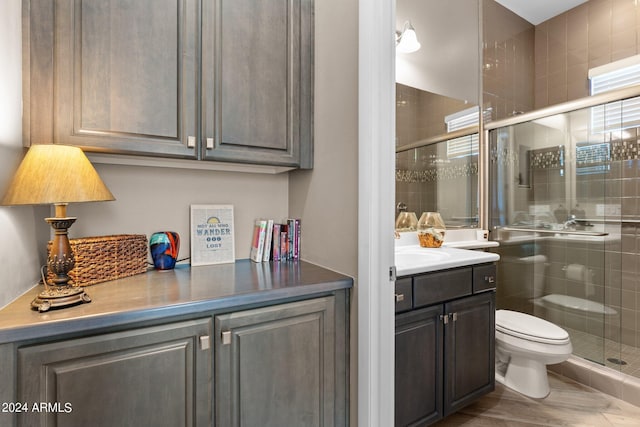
(441, 177)
(435, 171)
(437, 167)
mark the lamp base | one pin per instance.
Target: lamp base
(59, 296)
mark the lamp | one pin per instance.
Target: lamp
(407, 41)
(58, 175)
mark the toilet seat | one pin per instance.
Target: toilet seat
(530, 328)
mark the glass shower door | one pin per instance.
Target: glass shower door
(554, 209)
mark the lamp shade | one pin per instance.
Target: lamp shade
(51, 174)
(408, 40)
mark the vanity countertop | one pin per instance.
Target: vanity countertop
(411, 258)
(182, 291)
(415, 259)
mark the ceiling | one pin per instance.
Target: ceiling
(539, 10)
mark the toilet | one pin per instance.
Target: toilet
(525, 344)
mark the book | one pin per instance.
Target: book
(284, 242)
(276, 242)
(266, 253)
(296, 253)
(257, 244)
(291, 231)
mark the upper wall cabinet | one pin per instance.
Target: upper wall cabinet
(227, 80)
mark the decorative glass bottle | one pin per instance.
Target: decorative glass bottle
(431, 230)
(406, 221)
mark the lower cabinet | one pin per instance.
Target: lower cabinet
(469, 350)
(419, 360)
(444, 353)
(278, 365)
(156, 376)
(275, 366)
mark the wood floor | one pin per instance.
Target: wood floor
(568, 404)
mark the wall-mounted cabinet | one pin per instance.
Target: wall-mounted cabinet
(215, 80)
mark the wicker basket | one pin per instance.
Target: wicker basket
(103, 258)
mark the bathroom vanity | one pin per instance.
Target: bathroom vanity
(445, 331)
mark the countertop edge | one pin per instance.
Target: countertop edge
(206, 306)
(487, 257)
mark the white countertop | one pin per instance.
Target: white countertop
(411, 258)
(415, 259)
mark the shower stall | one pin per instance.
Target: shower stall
(563, 202)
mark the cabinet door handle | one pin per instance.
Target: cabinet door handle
(399, 297)
(454, 316)
(191, 141)
(205, 343)
(226, 337)
(444, 318)
(489, 279)
(209, 143)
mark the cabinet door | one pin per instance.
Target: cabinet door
(156, 376)
(274, 366)
(113, 75)
(257, 81)
(469, 350)
(418, 370)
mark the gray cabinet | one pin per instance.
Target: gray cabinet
(285, 364)
(257, 81)
(112, 75)
(214, 79)
(156, 376)
(277, 366)
(469, 350)
(419, 367)
(444, 344)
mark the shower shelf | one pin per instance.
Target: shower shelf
(548, 231)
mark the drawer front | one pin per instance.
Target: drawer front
(441, 286)
(484, 278)
(404, 294)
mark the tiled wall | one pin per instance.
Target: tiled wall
(508, 62)
(568, 45)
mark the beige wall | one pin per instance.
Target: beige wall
(21, 227)
(326, 198)
(150, 199)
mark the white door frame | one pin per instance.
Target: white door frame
(376, 199)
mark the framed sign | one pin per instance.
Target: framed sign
(212, 234)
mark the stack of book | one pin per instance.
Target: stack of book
(275, 241)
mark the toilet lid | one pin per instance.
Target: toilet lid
(529, 327)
